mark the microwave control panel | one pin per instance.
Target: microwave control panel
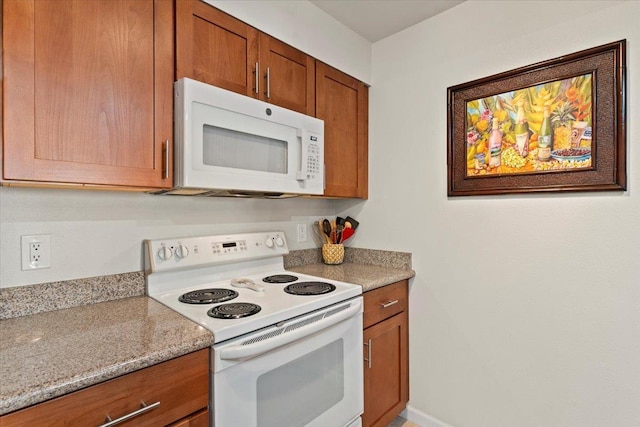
(311, 158)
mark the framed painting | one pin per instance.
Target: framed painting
(558, 125)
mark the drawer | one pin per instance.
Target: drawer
(384, 302)
(199, 419)
(181, 386)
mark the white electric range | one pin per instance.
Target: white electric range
(288, 346)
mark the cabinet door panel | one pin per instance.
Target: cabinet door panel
(342, 102)
(80, 91)
(69, 85)
(215, 48)
(386, 382)
(291, 76)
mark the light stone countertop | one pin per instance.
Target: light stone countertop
(368, 276)
(369, 268)
(49, 354)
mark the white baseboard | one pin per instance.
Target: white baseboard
(422, 419)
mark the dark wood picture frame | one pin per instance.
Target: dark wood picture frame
(607, 65)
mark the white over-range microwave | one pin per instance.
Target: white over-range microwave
(227, 144)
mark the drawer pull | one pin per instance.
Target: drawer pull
(368, 358)
(143, 408)
(389, 303)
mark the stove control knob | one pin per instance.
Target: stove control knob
(182, 251)
(279, 241)
(269, 242)
(164, 253)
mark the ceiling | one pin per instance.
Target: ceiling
(377, 19)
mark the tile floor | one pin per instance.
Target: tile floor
(401, 422)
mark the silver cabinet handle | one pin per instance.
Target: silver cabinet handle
(368, 358)
(268, 77)
(389, 303)
(165, 165)
(143, 408)
(257, 72)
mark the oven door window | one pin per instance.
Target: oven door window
(301, 390)
(239, 150)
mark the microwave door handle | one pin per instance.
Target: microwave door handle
(268, 78)
(304, 155)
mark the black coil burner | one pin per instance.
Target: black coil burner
(208, 296)
(309, 288)
(280, 278)
(233, 310)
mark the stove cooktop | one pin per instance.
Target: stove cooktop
(275, 304)
(250, 258)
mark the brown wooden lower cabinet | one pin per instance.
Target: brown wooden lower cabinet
(177, 389)
(386, 354)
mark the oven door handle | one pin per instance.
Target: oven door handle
(250, 350)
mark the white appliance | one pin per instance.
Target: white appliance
(234, 145)
(288, 346)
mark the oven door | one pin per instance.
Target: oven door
(304, 372)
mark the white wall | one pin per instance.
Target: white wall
(525, 310)
(97, 233)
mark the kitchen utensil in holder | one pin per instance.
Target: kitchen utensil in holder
(333, 253)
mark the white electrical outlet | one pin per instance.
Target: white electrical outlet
(36, 252)
(302, 233)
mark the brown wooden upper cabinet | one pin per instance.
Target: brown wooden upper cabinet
(342, 102)
(88, 91)
(216, 48)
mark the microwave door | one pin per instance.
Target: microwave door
(229, 150)
(227, 141)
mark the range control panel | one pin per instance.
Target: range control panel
(196, 251)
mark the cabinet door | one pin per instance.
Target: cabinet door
(289, 76)
(215, 48)
(386, 374)
(342, 102)
(88, 92)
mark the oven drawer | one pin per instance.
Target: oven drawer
(384, 302)
(181, 386)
